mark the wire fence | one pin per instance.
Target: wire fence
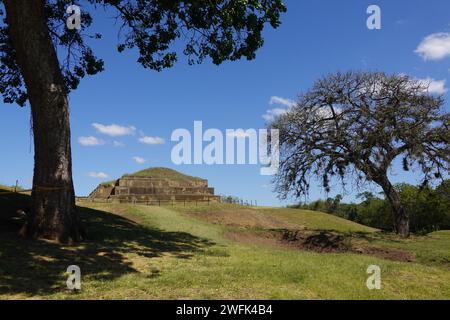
(149, 202)
(28, 191)
(219, 199)
(170, 202)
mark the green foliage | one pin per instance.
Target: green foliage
(76, 57)
(376, 213)
(220, 29)
(428, 208)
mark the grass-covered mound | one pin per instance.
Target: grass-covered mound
(164, 173)
(159, 173)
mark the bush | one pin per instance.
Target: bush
(428, 208)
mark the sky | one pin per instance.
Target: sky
(122, 119)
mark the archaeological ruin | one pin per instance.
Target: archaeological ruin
(155, 184)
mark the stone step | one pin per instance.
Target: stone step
(151, 183)
(178, 197)
(162, 191)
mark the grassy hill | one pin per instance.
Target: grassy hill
(159, 173)
(222, 252)
(164, 173)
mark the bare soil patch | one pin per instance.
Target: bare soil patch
(322, 241)
(388, 254)
(317, 241)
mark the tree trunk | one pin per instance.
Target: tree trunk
(401, 219)
(53, 215)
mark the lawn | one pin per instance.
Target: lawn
(149, 252)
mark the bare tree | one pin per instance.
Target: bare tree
(354, 125)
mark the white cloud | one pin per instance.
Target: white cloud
(114, 130)
(434, 86)
(151, 140)
(118, 144)
(98, 175)
(90, 141)
(139, 160)
(282, 101)
(272, 114)
(436, 46)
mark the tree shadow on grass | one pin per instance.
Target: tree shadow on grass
(38, 267)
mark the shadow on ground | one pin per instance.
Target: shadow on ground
(38, 267)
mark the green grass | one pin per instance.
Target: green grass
(164, 173)
(432, 249)
(159, 173)
(318, 220)
(140, 252)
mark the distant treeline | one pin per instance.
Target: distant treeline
(428, 208)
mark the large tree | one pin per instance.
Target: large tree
(42, 60)
(357, 124)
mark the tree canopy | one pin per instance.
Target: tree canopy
(219, 29)
(355, 124)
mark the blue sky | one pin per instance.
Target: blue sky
(315, 38)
